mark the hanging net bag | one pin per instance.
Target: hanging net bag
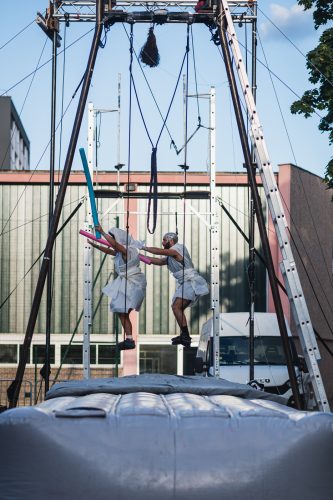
(149, 53)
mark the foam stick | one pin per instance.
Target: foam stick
(144, 259)
(92, 237)
(90, 189)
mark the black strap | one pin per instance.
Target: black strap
(153, 191)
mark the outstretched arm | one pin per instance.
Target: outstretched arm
(106, 250)
(167, 252)
(158, 262)
(115, 245)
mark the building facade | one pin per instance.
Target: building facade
(309, 211)
(14, 142)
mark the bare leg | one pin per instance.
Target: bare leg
(178, 308)
(126, 323)
(128, 343)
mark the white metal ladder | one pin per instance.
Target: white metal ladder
(288, 267)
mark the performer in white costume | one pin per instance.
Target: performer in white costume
(190, 285)
(127, 291)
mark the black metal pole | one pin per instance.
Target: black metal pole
(251, 277)
(14, 389)
(222, 27)
(46, 368)
(116, 324)
(251, 269)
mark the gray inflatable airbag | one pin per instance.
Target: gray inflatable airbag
(163, 445)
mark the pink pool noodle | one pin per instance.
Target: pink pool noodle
(144, 259)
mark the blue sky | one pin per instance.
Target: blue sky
(310, 148)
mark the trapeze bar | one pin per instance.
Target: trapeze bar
(188, 195)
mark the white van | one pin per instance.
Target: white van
(270, 369)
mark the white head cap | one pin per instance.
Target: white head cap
(124, 238)
(171, 236)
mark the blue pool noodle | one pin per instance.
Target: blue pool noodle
(91, 190)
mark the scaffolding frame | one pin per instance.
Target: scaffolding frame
(221, 15)
(212, 224)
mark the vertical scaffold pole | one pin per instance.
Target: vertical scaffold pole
(214, 239)
(119, 120)
(185, 90)
(87, 269)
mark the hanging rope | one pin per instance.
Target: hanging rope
(98, 128)
(199, 125)
(128, 161)
(44, 64)
(62, 100)
(172, 143)
(60, 148)
(185, 162)
(270, 72)
(19, 33)
(195, 78)
(310, 63)
(153, 188)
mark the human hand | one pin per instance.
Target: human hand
(141, 244)
(99, 228)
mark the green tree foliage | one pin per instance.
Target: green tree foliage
(320, 66)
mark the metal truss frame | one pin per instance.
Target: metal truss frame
(81, 11)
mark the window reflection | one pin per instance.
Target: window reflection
(158, 359)
(267, 351)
